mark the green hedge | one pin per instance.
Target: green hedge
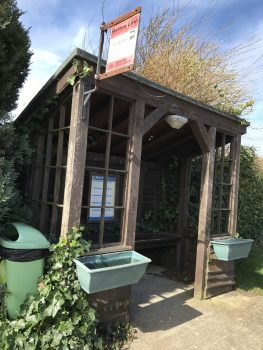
(250, 208)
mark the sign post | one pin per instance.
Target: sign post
(123, 41)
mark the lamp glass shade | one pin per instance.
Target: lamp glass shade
(176, 121)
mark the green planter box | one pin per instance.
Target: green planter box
(232, 248)
(112, 270)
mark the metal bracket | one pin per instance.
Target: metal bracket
(87, 95)
(102, 31)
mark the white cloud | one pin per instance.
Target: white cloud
(52, 46)
(44, 64)
(53, 40)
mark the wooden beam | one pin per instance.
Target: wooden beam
(63, 81)
(106, 173)
(234, 176)
(141, 190)
(42, 224)
(76, 160)
(221, 180)
(184, 195)
(133, 177)
(187, 148)
(201, 135)
(153, 118)
(38, 167)
(121, 18)
(193, 110)
(183, 142)
(115, 72)
(160, 142)
(207, 176)
(54, 216)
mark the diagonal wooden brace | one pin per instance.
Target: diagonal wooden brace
(201, 135)
(153, 118)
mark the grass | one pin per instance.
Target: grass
(249, 272)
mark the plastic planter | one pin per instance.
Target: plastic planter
(112, 270)
(232, 248)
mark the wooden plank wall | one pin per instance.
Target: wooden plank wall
(220, 275)
(190, 244)
(112, 305)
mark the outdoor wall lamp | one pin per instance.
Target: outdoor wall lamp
(175, 121)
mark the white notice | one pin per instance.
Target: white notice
(96, 197)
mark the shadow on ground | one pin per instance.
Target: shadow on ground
(159, 303)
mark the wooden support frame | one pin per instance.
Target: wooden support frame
(221, 179)
(207, 176)
(54, 216)
(191, 109)
(38, 167)
(106, 173)
(121, 18)
(63, 81)
(42, 224)
(235, 169)
(153, 118)
(76, 159)
(201, 135)
(133, 178)
(184, 195)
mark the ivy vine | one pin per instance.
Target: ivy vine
(165, 217)
(83, 69)
(60, 316)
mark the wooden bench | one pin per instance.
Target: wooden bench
(148, 241)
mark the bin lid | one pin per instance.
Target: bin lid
(22, 236)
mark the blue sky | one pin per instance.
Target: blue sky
(58, 26)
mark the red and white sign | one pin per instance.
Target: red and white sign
(123, 42)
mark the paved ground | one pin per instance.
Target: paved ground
(168, 318)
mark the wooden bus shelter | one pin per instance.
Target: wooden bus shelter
(117, 141)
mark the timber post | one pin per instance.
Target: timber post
(133, 170)
(76, 160)
(234, 176)
(204, 224)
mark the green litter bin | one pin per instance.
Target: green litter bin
(23, 248)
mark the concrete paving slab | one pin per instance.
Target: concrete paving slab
(168, 318)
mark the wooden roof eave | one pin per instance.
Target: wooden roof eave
(160, 97)
(133, 86)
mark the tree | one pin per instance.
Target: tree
(14, 55)
(181, 58)
(15, 153)
(14, 145)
